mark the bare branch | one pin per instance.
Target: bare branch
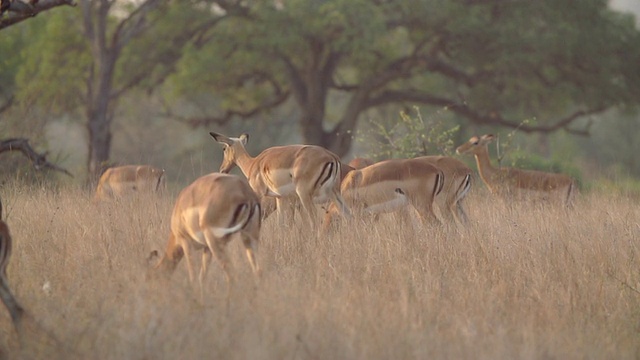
(38, 160)
(19, 11)
(133, 24)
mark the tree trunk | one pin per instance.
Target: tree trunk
(340, 139)
(99, 126)
(99, 115)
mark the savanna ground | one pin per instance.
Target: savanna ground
(526, 281)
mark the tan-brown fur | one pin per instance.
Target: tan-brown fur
(122, 180)
(509, 181)
(457, 184)
(311, 170)
(359, 163)
(416, 179)
(214, 200)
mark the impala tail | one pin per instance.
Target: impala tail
(437, 188)
(241, 217)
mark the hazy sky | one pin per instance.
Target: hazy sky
(627, 5)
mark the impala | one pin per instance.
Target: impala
(457, 184)
(121, 180)
(310, 172)
(15, 310)
(391, 185)
(206, 216)
(293, 204)
(506, 181)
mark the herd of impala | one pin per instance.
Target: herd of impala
(211, 210)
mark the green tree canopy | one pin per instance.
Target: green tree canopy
(491, 62)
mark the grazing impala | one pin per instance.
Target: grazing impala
(206, 216)
(457, 184)
(391, 185)
(15, 310)
(509, 181)
(121, 180)
(310, 172)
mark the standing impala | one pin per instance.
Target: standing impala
(15, 310)
(310, 172)
(121, 180)
(389, 186)
(507, 181)
(206, 216)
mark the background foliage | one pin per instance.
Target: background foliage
(428, 73)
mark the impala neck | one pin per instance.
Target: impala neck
(487, 172)
(243, 160)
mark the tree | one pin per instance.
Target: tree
(11, 13)
(110, 51)
(490, 62)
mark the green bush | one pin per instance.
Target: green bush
(409, 137)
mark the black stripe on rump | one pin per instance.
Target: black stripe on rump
(328, 165)
(236, 214)
(438, 185)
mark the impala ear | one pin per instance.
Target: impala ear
(221, 138)
(244, 138)
(488, 137)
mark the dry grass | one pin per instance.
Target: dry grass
(526, 282)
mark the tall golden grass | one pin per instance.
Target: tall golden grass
(525, 281)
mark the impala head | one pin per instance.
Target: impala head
(231, 147)
(474, 144)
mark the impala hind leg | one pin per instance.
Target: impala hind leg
(424, 208)
(206, 259)
(250, 243)
(461, 213)
(309, 207)
(186, 248)
(217, 247)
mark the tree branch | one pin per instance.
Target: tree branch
(133, 24)
(229, 114)
(463, 109)
(38, 160)
(19, 11)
